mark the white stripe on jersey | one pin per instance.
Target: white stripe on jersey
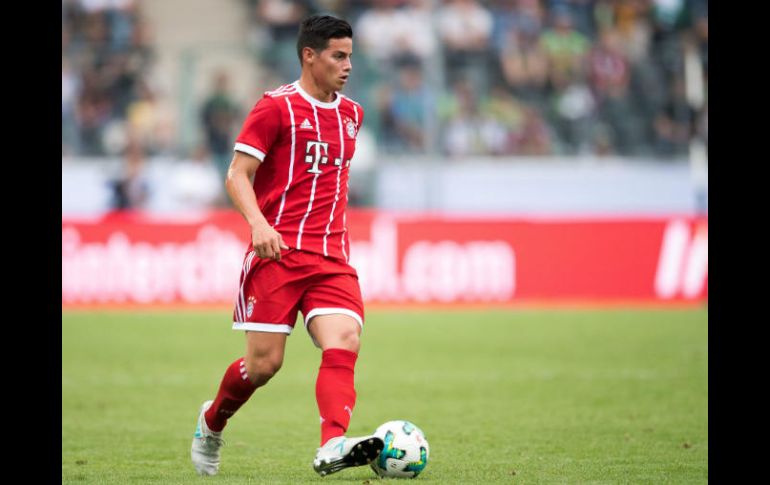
(339, 171)
(347, 199)
(291, 163)
(282, 90)
(312, 190)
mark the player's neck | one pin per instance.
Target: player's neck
(308, 84)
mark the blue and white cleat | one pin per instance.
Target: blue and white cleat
(206, 445)
(341, 452)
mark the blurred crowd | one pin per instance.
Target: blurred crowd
(521, 77)
(451, 77)
(108, 98)
(517, 77)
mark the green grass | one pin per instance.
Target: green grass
(523, 397)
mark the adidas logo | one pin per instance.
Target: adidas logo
(306, 125)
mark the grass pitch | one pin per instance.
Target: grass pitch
(522, 397)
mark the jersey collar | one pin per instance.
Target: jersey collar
(315, 102)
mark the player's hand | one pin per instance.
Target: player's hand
(267, 242)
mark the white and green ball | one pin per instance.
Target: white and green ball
(406, 450)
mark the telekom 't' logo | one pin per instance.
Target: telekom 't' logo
(683, 263)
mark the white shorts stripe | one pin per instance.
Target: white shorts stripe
(291, 162)
(332, 311)
(263, 327)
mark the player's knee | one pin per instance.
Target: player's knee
(350, 340)
(262, 369)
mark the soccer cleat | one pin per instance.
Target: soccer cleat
(206, 445)
(341, 452)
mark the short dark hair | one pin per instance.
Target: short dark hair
(316, 30)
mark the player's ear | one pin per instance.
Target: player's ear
(307, 54)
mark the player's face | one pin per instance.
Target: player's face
(331, 67)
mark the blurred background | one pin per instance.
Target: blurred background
(166, 85)
(511, 109)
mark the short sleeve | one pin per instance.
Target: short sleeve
(260, 129)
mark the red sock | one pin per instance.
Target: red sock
(235, 389)
(335, 392)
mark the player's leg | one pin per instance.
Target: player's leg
(266, 309)
(333, 311)
(263, 358)
(338, 337)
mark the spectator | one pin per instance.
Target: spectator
(94, 109)
(468, 130)
(131, 188)
(674, 123)
(148, 116)
(525, 17)
(535, 138)
(508, 113)
(108, 53)
(601, 142)
(523, 62)
(701, 29)
(608, 67)
(197, 182)
(465, 28)
(669, 18)
(417, 37)
(610, 73)
(281, 18)
(220, 116)
(377, 31)
(630, 19)
(70, 91)
(406, 109)
(573, 114)
(565, 48)
(582, 13)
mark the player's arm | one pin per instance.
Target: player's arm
(267, 242)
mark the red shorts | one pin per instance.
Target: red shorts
(272, 292)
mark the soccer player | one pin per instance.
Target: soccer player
(297, 144)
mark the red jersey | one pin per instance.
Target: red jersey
(305, 146)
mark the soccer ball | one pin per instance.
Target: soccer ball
(406, 450)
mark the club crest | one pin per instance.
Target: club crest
(250, 306)
(350, 128)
